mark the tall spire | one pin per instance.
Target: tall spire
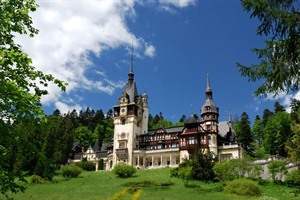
(208, 88)
(209, 105)
(131, 74)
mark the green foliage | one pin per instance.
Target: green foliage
(293, 144)
(84, 136)
(279, 59)
(202, 164)
(224, 171)
(70, 171)
(36, 179)
(244, 187)
(44, 168)
(185, 174)
(105, 185)
(244, 134)
(277, 166)
(236, 168)
(86, 165)
(21, 85)
(277, 132)
(293, 178)
(123, 170)
(174, 172)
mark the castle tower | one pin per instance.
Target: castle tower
(210, 115)
(130, 120)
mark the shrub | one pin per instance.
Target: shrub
(293, 178)
(86, 165)
(174, 172)
(123, 170)
(70, 171)
(36, 179)
(44, 168)
(185, 174)
(244, 187)
(276, 167)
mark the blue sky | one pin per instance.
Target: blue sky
(176, 43)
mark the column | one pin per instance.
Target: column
(170, 159)
(161, 161)
(144, 161)
(152, 161)
(138, 161)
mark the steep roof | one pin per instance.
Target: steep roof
(191, 120)
(209, 103)
(130, 88)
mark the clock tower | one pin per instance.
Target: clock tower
(130, 120)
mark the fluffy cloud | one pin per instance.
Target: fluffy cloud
(70, 31)
(284, 99)
(150, 51)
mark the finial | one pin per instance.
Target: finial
(192, 109)
(208, 88)
(229, 117)
(130, 74)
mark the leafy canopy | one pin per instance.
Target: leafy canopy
(279, 60)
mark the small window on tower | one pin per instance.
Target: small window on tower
(123, 121)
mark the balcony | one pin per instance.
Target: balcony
(122, 153)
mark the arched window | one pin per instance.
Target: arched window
(122, 145)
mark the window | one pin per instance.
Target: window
(123, 121)
(209, 139)
(122, 145)
(192, 140)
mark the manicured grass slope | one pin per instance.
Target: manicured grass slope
(106, 186)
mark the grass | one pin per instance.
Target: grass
(146, 185)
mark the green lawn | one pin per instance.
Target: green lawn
(106, 186)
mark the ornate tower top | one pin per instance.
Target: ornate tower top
(130, 89)
(209, 105)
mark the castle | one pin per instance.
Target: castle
(137, 146)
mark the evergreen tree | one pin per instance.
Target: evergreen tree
(278, 107)
(244, 135)
(266, 114)
(295, 107)
(279, 66)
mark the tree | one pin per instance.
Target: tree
(84, 136)
(278, 107)
(21, 85)
(293, 144)
(295, 107)
(258, 138)
(202, 165)
(277, 132)
(244, 135)
(279, 60)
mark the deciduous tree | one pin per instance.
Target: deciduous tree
(21, 85)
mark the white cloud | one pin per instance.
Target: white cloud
(284, 99)
(178, 3)
(150, 51)
(65, 108)
(69, 30)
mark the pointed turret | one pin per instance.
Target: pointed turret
(130, 89)
(209, 105)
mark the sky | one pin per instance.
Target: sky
(176, 43)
